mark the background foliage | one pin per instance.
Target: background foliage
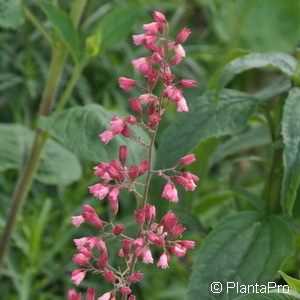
(243, 125)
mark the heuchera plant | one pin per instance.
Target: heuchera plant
(93, 254)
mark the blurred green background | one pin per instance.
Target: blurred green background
(38, 264)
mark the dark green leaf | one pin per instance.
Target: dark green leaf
(78, 129)
(291, 153)
(64, 26)
(57, 166)
(238, 243)
(255, 137)
(116, 25)
(279, 61)
(11, 13)
(205, 120)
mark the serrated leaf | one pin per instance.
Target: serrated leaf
(116, 25)
(238, 243)
(64, 26)
(291, 153)
(279, 61)
(78, 129)
(204, 120)
(11, 13)
(57, 165)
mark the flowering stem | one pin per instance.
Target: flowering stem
(59, 53)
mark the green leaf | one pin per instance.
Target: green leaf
(78, 129)
(203, 121)
(265, 297)
(238, 243)
(292, 282)
(279, 61)
(291, 153)
(255, 137)
(116, 25)
(57, 165)
(255, 25)
(11, 13)
(64, 26)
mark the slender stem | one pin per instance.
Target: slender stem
(35, 21)
(26, 177)
(70, 86)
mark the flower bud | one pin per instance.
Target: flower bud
(183, 35)
(187, 160)
(123, 154)
(125, 290)
(135, 106)
(135, 277)
(118, 229)
(109, 275)
(90, 294)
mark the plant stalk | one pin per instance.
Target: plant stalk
(59, 53)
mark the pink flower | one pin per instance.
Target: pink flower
(163, 261)
(179, 55)
(159, 17)
(78, 275)
(153, 28)
(81, 259)
(123, 154)
(113, 200)
(72, 295)
(140, 216)
(132, 297)
(150, 212)
(90, 294)
(169, 220)
(188, 184)
(147, 256)
(117, 125)
(177, 230)
(144, 39)
(118, 229)
(125, 290)
(179, 251)
(91, 216)
(135, 106)
(187, 160)
(170, 192)
(173, 93)
(187, 83)
(77, 220)
(126, 83)
(109, 275)
(103, 260)
(183, 35)
(141, 65)
(148, 98)
(135, 277)
(154, 119)
(188, 244)
(106, 136)
(143, 167)
(105, 296)
(139, 242)
(99, 190)
(181, 105)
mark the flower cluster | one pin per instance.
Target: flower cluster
(162, 236)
